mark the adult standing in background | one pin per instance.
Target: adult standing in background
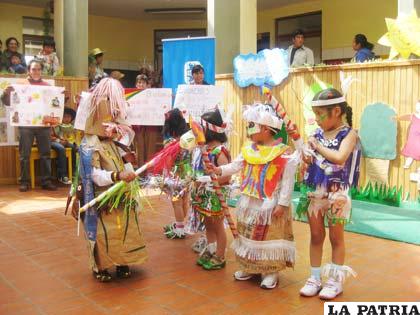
(27, 135)
(298, 54)
(12, 46)
(96, 70)
(363, 49)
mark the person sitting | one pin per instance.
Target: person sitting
(363, 49)
(65, 136)
(12, 46)
(49, 58)
(299, 55)
(16, 65)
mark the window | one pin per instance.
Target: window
(33, 35)
(310, 23)
(164, 34)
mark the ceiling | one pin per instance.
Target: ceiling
(134, 9)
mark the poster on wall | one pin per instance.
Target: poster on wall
(8, 133)
(35, 105)
(180, 55)
(148, 107)
(195, 100)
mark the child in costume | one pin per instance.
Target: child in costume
(176, 182)
(204, 198)
(265, 245)
(65, 136)
(333, 169)
(112, 228)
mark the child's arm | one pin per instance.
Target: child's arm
(337, 157)
(232, 168)
(223, 160)
(286, 184)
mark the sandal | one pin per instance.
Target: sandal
(123, 272)
(204, 258)
(215, 263)
(102, 275)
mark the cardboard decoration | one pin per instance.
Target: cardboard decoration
(308, 114)
(378, 137)
(269, 66)
(403, 36)
(411, 149)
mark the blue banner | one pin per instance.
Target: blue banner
(180, 55)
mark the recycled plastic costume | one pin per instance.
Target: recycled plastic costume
(112, 230)
(266, 243)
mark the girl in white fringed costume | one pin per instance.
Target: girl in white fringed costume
(265, 245)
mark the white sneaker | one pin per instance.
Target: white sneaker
(200, 244)
(270, 280)
(331, 289)
(64, 180)
(242, 275)
(311, 287)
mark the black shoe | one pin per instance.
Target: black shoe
(49, 186)
(123, 272)
(102, 276)
(24, 187)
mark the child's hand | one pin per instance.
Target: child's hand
(292, 131)
(130, 157)
(127, 176)
(279, 211)
(8, 90)
(308, 159)
(313, 143)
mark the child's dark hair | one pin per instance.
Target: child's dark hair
(362, 40)
(35, 61)
(48, 41)
(214, 117)
(331, 93)
(175, 125)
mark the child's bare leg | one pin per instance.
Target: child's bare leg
(186, 203)
(316, 223)
(178, 210)
(210, 230)
(220, 236)
(337, 243)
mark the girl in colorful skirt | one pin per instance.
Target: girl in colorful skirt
(204, 198)
(333, 169)
(176, 182)
(265, 244)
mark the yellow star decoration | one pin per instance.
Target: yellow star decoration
(403, 36)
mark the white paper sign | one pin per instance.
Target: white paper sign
(82, 111)
(195, 100)
(148, 107)
(35, 105)
(8, 133)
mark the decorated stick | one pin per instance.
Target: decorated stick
(200, 139)
(281, 111)
(162, 158)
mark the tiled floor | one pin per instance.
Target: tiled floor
(43, 269)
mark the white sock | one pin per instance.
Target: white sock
(212, 248)
(316, 273)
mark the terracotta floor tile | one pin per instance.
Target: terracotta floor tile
(44, 269)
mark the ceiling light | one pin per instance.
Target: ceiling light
(176, 11)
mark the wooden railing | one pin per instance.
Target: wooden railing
(7, 153)
(394, 83)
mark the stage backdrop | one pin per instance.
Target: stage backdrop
(181, 54)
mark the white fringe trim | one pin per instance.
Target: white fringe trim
(252, 211)
(339, 273)
(281, 250)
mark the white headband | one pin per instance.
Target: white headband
(330, 101)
